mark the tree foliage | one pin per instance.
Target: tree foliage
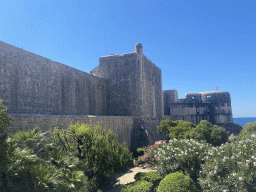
(180, 129)
(248, 130)
(4, 160)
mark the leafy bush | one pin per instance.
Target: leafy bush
(177, 182)
(230, 167)
(248, 130)
(151, 176)
(138, 186)
(211, 133)
(181, 155)
(98, 151)
(149, 153)
(4, 160)
(35, 166)
(178, 129)
(185, 130)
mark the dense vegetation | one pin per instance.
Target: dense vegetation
(56, 161)
(185, 130)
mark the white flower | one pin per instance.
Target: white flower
(224, 190)
(240, 178)
(244, 145)
(215, 167)
(209, 185)
(247, 161)
(197, 153)
(234, 174)
(168, 147)
(254, 163)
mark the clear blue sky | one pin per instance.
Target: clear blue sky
(199, 45)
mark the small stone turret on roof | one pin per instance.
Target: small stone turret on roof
(138, 48)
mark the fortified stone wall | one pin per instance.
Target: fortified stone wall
(122, 126)
(122, 73)
(128, 87)
(31, 84)
(134, 85)
(212, 106)
(169, 97)
(151, 90)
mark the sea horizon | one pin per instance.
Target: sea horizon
(243, 120)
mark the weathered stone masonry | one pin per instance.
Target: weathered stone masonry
(124, 93)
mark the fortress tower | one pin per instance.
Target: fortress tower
(134, 85)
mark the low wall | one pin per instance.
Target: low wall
(120, 125)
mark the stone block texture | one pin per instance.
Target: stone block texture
(31, 84)
(134, 85)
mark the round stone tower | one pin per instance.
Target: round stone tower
(138, 48)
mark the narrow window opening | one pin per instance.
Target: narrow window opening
(208, 96)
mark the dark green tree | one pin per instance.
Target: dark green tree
(218, 136)
(4, 160)
(248, 130)
(211, 133)
(178, 129)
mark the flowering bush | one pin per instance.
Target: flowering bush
(150, 151)
(230, 167)
(181, 155)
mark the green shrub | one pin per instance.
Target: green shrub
(138, 186)
(99, 151)
(37, 167)
(248, 130)
(4, 159)
(177, 182)
(151, 176)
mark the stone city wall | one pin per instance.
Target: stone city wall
(122, 73)
(122, 126)
(32, 84)
(151, 90)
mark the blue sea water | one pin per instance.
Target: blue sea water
(243, 120)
